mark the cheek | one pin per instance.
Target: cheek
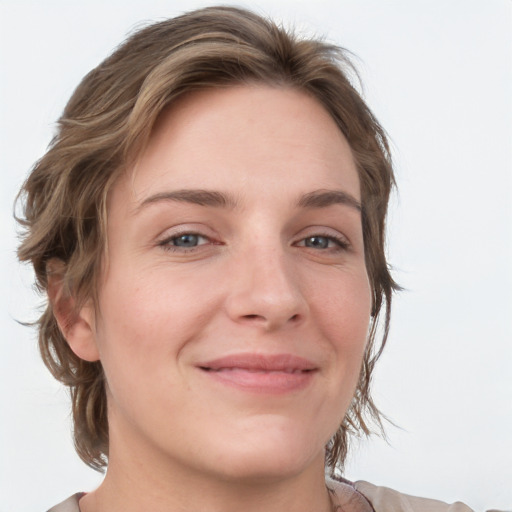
(342, 315)
(147, 320)
(136, 345)
(344, 312)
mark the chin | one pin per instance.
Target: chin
(264, 470)
(270, 458)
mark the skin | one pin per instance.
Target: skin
(267, 273)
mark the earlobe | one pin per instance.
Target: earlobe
(77, 326)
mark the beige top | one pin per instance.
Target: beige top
(348, 497)
(384, 499)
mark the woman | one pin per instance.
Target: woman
(208, 225)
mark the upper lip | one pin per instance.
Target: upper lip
(260, 362)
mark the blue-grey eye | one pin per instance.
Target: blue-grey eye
(187, 240)
(317, 242)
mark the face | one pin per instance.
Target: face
(235, 303)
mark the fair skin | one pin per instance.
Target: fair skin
(232, 322)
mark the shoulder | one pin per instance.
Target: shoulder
(69, 505)
(384, 499)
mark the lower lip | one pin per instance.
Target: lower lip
(272, 382)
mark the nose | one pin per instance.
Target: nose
(265, 291)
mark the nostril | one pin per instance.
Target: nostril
(294, 318)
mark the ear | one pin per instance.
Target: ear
(77, 327)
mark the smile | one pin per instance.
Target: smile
(272, 374)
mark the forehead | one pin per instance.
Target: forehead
(244, 139)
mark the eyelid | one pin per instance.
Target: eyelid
(164, 240)
(341, 240)
(340, 243)
(188, 233)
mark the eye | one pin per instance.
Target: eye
(183, 241)
(323, 242)
(318, 242)
(188, 240)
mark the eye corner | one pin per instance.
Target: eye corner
(184, 241)
(323, 242)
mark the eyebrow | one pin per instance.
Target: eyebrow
(325, 198)
(194, 196)
(317, 199)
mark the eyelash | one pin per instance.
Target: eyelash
(341, 243)
(167, 243)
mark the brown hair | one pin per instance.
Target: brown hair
(107, 123)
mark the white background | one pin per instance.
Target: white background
(438, 75)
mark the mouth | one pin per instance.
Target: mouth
(279, 373)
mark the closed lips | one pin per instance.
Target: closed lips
(254, 370)
(257, 373)
(283, 363)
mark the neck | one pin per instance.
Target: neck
(132, 485)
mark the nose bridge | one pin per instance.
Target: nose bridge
(266, 287)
